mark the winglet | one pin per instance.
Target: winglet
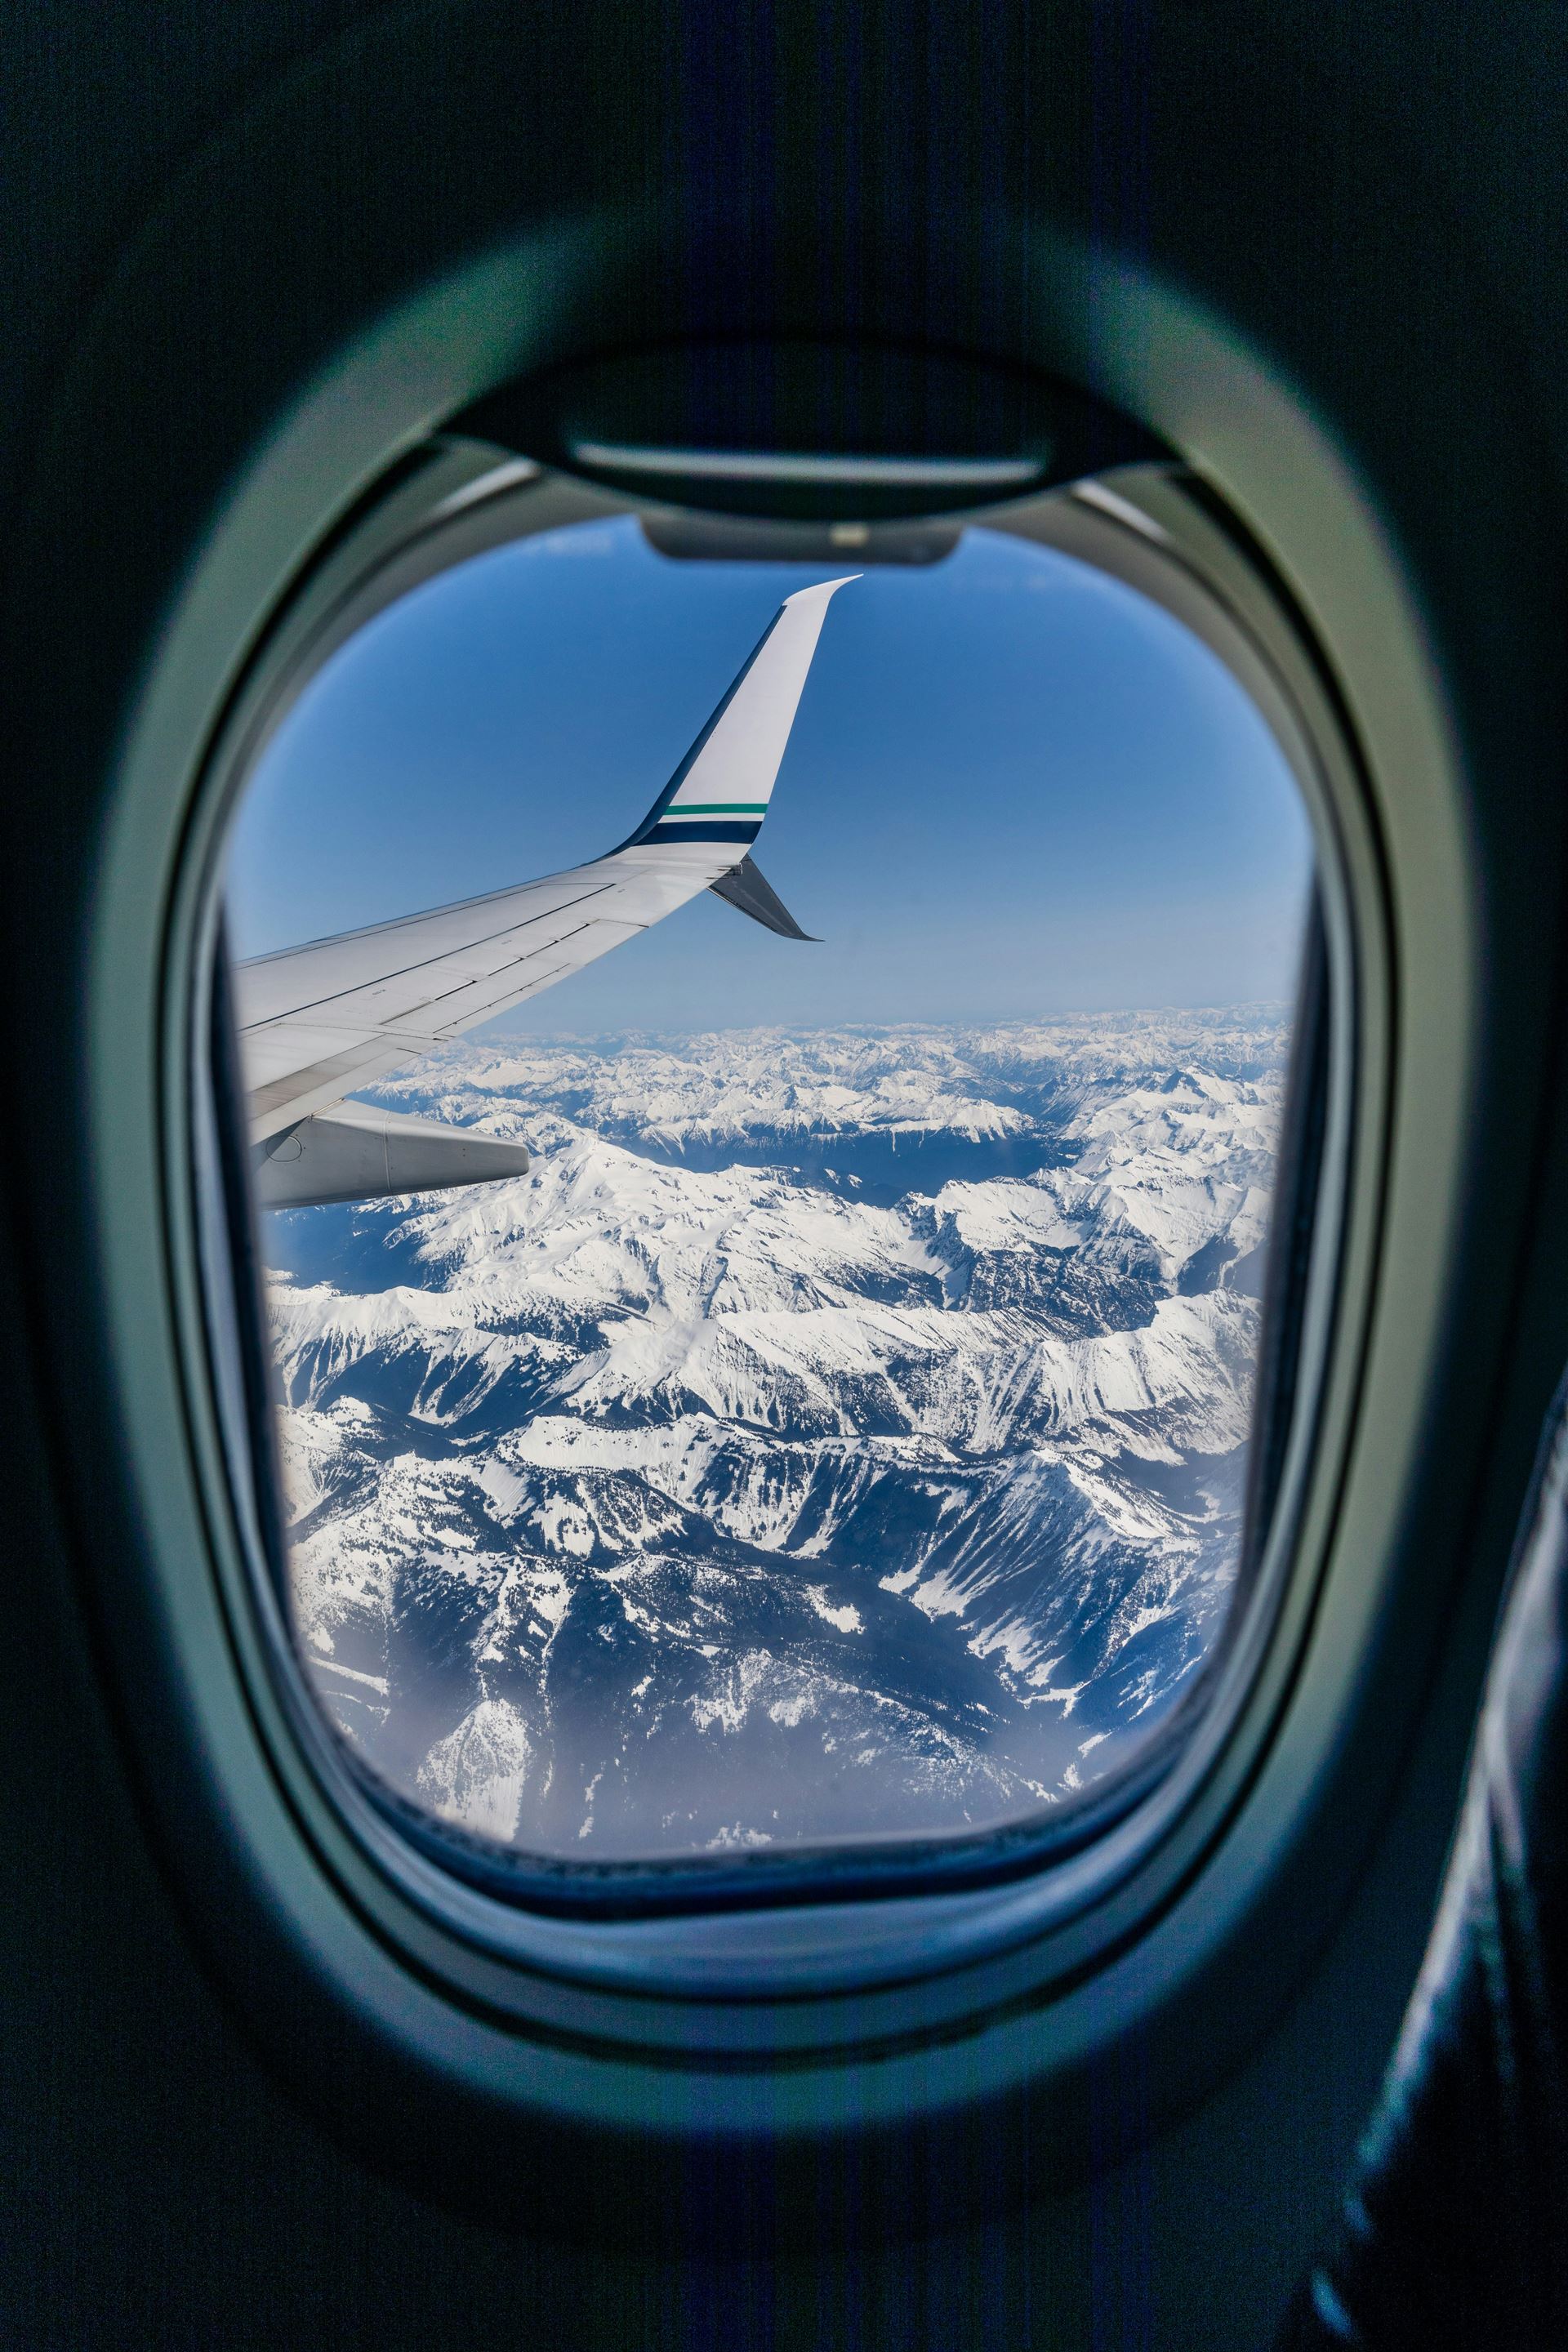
(745, 887)
(722, 788)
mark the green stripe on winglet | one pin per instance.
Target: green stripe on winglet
(717, 808)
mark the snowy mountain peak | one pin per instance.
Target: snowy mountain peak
(832, 1434)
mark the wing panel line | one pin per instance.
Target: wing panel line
(419, 962)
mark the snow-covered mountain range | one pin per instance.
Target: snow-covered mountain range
(835, 1434)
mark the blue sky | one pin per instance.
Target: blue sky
(1013, 788)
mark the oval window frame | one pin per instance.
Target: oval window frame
(943, 1904)
(1006, 1993)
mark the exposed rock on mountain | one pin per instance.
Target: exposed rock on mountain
(833, 1435)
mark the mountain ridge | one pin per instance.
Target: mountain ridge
(647, 1507)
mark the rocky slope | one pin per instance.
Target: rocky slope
(833, 1435)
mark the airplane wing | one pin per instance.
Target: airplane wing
(318, 1021)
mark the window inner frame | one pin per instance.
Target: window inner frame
(946, 1899)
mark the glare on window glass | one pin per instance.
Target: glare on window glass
(755, 1390)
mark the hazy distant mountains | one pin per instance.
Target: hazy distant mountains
(834, 1433)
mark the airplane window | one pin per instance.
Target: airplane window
(763, 1081)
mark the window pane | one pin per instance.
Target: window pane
(839, 1428)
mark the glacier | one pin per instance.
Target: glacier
(836, 1434)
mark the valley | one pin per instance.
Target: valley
(836, 1433)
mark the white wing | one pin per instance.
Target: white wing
(318, 1021)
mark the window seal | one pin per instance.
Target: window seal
(410, 534)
